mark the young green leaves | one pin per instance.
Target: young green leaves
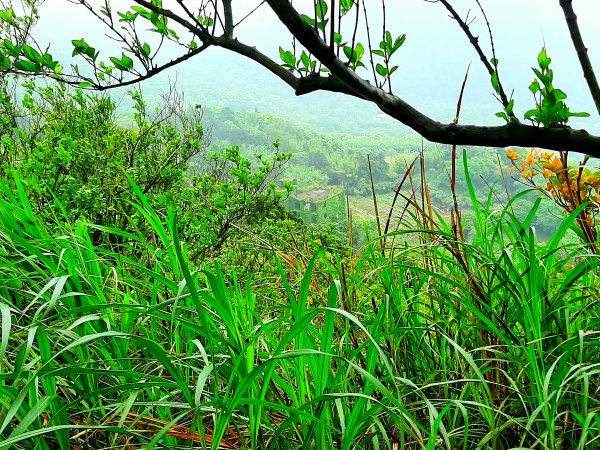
(83, 48)
(288, 58)
(354, 55)
(305, 64)
(125, 63)
(25, 58)
(387, 47)
(550, 110)
(318, 21)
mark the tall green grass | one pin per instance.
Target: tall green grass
(487, 344)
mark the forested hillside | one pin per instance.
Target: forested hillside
(338, 160)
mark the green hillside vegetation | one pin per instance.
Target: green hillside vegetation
(156, 293)
(321, 161)
(273, 262)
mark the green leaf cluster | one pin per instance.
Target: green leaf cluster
(550, 109)
(305, 64)
(25, 58)
(124, 63)
(354, 55)
(81, 47)
(318, 21)
(387, 48)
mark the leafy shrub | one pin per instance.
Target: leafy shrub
(78, 162)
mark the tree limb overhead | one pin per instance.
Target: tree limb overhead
(321, 59)
(581, 49)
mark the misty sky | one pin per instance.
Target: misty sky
(432, 61)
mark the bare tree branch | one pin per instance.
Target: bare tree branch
(228, 17)
(582, 54)
(498, 136)
(343, 79)
(154, 71)
(254, 54)
(475, 43)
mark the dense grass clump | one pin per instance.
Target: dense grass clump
(434, 343)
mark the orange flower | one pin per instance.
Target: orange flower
(529, 159)
(564, 189)
(511, 170)
(511, 154)
(526, 174)
(536, 152)
(554, 165)
(547, 173)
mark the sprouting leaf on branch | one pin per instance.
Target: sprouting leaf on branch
(11, 49)
(288, 58)
(7, 15)
(32, 54)
(543, 60)
(354, 55)
(534, 87)
(387, 47)
(127, 16)
(27, 66)
(124, 64)
(25, 58)
(392, 47)
(321, 9)
(83, 48)
(143, 12)
(508, 113)
(381, 70)
(550, 109)
(320, 24)
(306, 64)
(106, 11)
(495, 81)
(346, 5)
(145, 49)
(159, 21)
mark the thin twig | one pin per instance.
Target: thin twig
(370, 46)
(475, 43)
(375, 205)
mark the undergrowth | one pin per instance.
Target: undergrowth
(431, 342)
